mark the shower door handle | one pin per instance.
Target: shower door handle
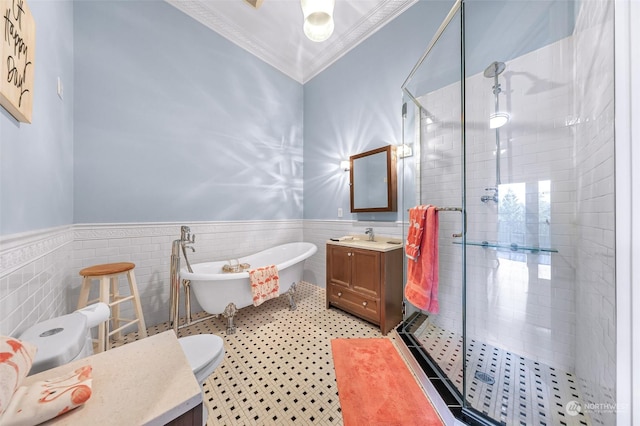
(464, 214)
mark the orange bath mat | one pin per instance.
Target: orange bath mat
(376, 387)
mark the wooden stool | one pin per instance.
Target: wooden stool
(109, 274)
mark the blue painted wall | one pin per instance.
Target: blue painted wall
(355, 105)
(172, 122)
(175, 123)
(36, 160)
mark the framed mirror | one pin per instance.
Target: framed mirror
(373, 181)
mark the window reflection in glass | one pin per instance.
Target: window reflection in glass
(524, 217)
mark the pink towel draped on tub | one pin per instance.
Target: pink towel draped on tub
(422, 264)
(265, 284)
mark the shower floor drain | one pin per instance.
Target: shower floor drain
(484, 377)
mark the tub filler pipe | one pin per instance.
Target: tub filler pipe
(186, 240)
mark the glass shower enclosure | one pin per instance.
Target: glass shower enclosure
(510, 116)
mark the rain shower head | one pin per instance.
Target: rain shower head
(494, 70)
(497, 118)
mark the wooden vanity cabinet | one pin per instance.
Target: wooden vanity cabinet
(366, 283)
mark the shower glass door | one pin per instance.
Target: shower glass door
(539, 198)
(510, 114)
(433, 126)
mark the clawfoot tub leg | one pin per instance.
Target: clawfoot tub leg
(290, 293)
(228, 313)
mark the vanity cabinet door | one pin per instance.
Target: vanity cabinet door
(365, 273)
(339, 266)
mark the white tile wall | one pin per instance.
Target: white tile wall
(34, 277)
(595, 230)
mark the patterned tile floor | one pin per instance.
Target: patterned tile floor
(503, 385)
(278, 366)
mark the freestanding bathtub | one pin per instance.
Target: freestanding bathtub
(224, 293)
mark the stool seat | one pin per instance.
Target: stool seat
(107, 269)
(108, 276)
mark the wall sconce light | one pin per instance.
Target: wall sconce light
(345, 165)
(404, 151)
(318, 19)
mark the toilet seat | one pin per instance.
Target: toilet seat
(204, 353)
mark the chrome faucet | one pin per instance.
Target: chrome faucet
(493, 197)
(369, 232)
(186, 241)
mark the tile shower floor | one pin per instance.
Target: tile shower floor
(503, 385)
(278, 366)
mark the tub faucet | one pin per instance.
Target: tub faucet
(186, 237)
(369, 232)
(186, 240)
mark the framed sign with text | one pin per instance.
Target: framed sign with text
(17, 56)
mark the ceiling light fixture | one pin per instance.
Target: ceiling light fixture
(318, 19)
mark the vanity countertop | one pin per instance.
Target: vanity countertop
(145, 382)
(380, 243)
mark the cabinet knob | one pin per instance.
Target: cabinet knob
(339, 294)
(349, 254)
(364, 303)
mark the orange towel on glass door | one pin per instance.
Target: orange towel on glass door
(421, 289)
(417, 219)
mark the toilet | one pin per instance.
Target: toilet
(66, 338)
(204, 353)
